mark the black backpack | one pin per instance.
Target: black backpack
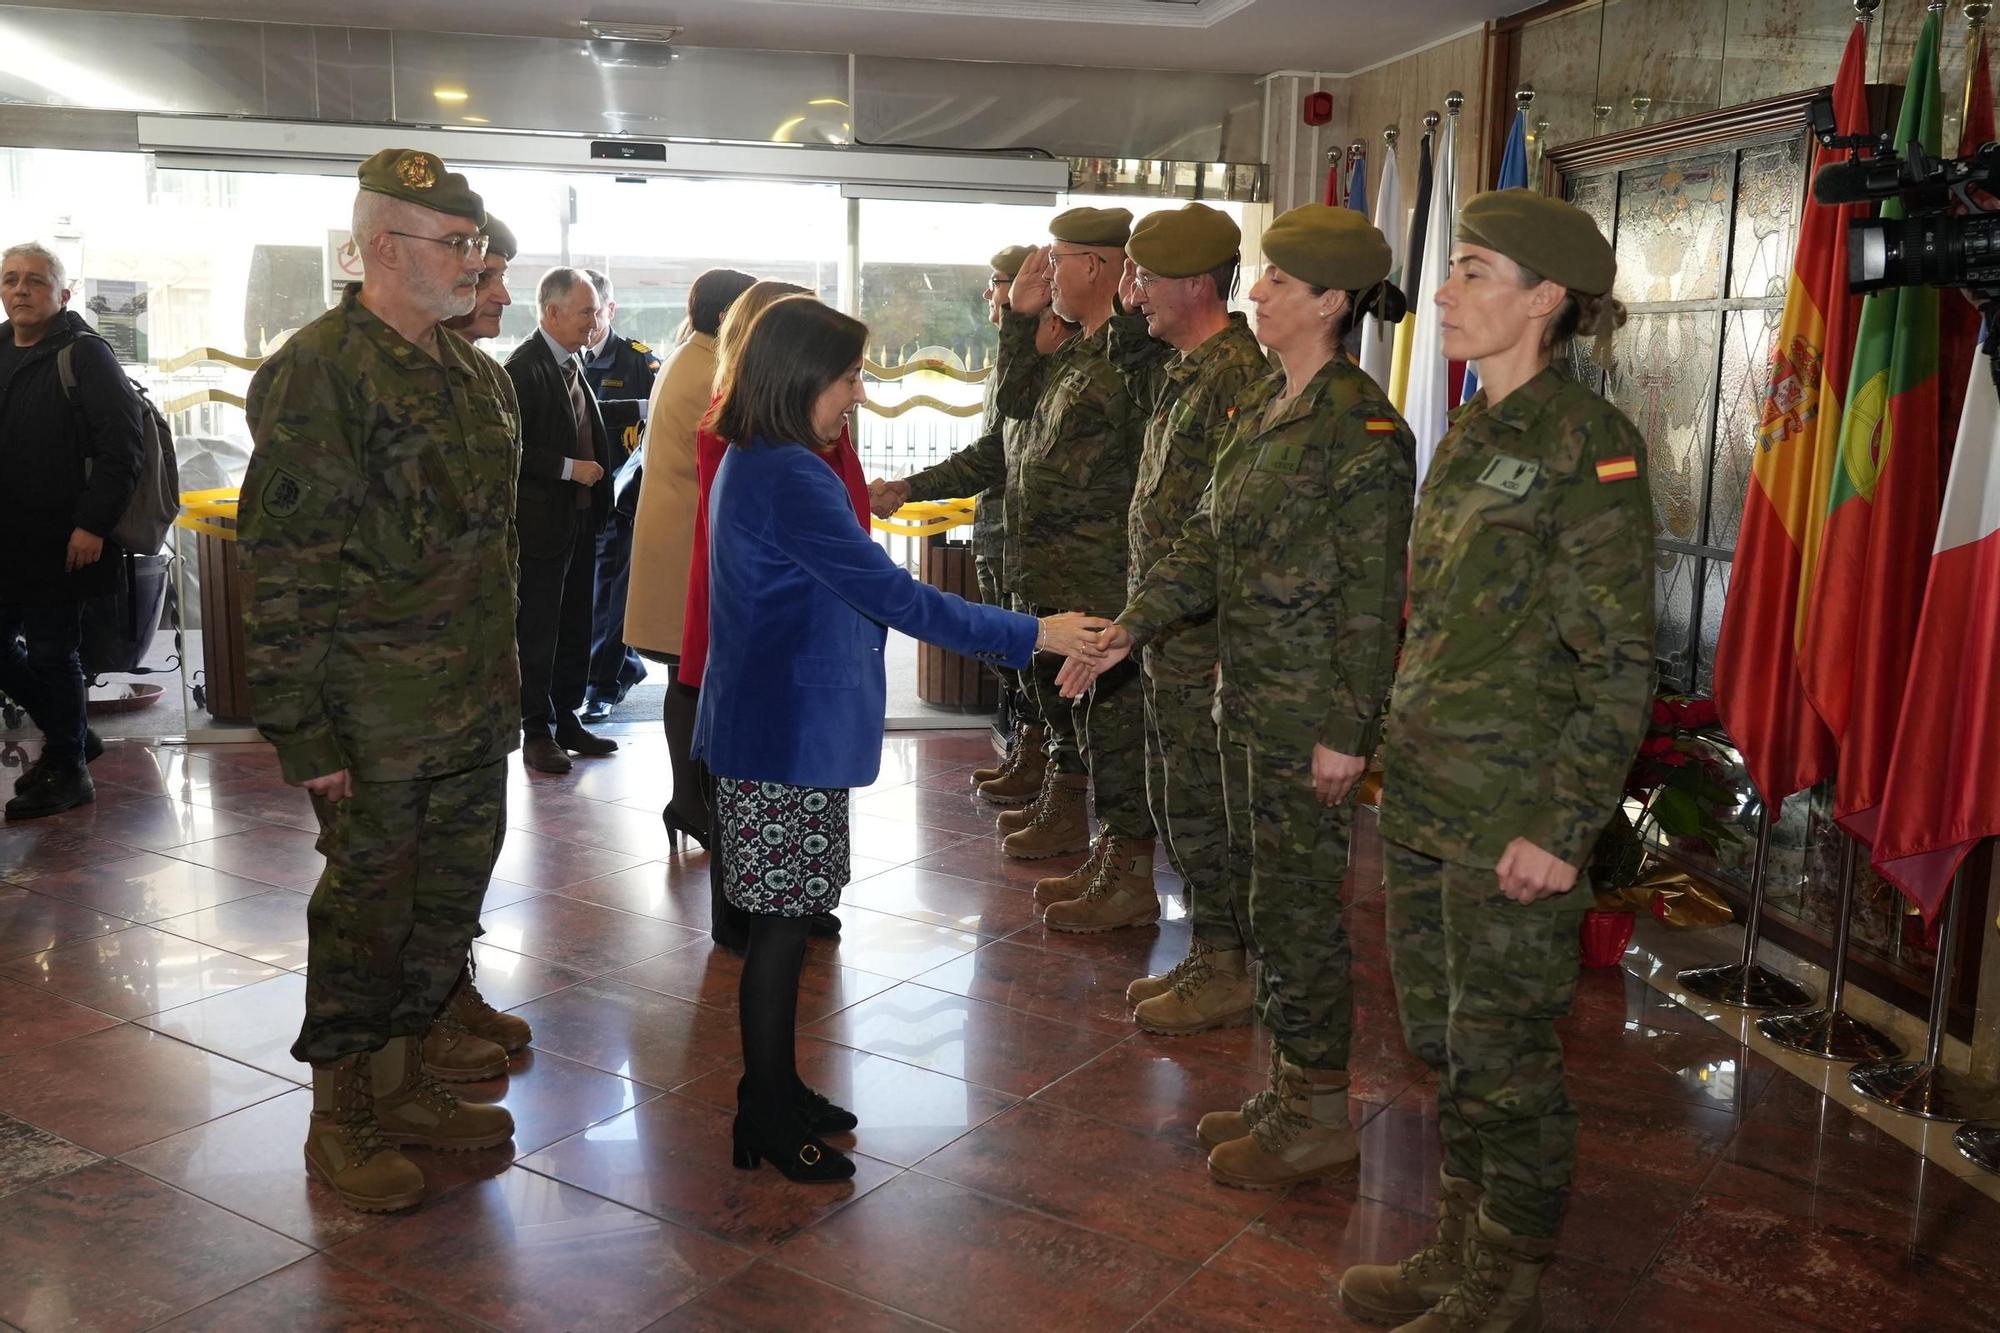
(156, 499)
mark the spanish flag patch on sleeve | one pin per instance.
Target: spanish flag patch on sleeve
(1381, 425)
(1618, 469)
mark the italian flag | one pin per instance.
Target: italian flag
(1938, 802)
(1758, 690)
(1881, 508)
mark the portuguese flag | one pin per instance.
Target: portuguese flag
(1758, 691)
(1881, 509)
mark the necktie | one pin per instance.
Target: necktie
(586, 448)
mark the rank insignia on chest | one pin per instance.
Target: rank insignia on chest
(1510, 476)
(1618, 469)
(1281, 457)
(1381, 426)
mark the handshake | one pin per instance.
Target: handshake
(886, 497)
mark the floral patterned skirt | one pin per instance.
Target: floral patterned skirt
(784, 849)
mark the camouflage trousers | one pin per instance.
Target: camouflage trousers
(388, 928)
(1287, 860)
(1017, 690)
(1184, 791)
(1481, 981)
(1046, 704)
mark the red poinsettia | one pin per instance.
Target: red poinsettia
(1681, 777)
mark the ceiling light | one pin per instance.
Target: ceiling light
(632, 32)
(450, 94)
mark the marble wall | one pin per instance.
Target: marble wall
(1615, 64)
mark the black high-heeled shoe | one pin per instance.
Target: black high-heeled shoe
(789, 1147)
(822, 1115)
(679, 826)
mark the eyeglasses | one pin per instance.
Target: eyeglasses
(461, 247)
(1076, 254)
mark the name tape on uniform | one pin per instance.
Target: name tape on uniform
(1510, 476)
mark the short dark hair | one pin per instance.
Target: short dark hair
(710, 297)
(795, 350)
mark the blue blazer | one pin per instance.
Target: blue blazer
(798, 599)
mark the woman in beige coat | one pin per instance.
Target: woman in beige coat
(663, 531)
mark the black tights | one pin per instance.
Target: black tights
(768, 1009)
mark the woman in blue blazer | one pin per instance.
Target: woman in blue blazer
(792, 699)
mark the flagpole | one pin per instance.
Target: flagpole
(1829, 1032)
(1749, 984)
(1925, 1087)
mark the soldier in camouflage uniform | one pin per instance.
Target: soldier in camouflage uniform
(1524, 689)
(1298, 548)
(376, 530)
(1180, 271)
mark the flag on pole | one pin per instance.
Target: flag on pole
(1357, 184)
(1882, 507)
(1958, 319)
(1378, 340)
(1513, 176)
(1758, 689)
(1413, 262)
(1938, 801)
(1427, 404)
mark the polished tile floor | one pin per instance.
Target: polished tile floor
(1026, 1161)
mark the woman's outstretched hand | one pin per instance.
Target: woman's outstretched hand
(1073, 634)
(1113, 644)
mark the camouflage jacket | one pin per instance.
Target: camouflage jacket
(377, 533)
(1527, 674)
(1190, 400)
(1298, 545)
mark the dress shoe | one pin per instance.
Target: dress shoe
(53, 791)
(542, 754)
(824, 926)
(596, 710)
(93, 747)
(571, 736)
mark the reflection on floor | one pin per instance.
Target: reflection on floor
(1026, 1160)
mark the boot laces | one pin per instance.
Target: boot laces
(1468, 1305)
(433, 1093)
(469, 996)
(354, 1113)
(1045, 804)
(1192, 973)
(1283, 1122)
(1440, 1255)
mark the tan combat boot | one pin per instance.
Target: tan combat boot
(980, 775)
(1121, 893)
(413, 1108)
(1013, 821)
(451, 1052)
(1220, 1127)
(346, 1148)
(1501, 1290)
(471, 1011)
(1307, 1134)
(1062, 888)
(1212, 991)
(1020, 778)
(1395, 1293)
(1061, 824)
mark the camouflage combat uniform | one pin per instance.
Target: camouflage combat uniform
(1298, 546)
(1523, 692)
(1191, 401)
(377, 533)
(1067, 508)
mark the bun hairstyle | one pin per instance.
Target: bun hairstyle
(1384, 300)
(1594, 317)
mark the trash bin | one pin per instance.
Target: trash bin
(945, 678)
(225, 679)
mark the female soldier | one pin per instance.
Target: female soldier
(1523, 691)
(1298, 547)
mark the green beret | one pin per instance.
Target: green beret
(1336, 248)
(1556, 240)
(1008, 262)
(419, 177)
(500, 239)
(1093, 226)
(1185, 243)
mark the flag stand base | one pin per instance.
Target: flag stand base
(1749, 984)
(1980, 1145)
(1829, 1033)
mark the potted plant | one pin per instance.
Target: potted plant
(1678, 789)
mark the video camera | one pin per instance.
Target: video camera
(1934, 244)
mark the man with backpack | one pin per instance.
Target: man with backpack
(70, 459)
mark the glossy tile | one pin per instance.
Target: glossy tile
(31, 922)
(527, 1252)
(149, 887)
(316, 1292)
(286, 857)
(675, 891)
(551, 1098)
(1673, 1139)
(159, 822)
(259, 799)
(269, 927)
(981, 1043)
(890, 946)
(1081, 1170)
(39, 848)
(982, 859)
(906, 1113)
(1035, 981)
(1143, 1086)
(29, 1155)
(255, 1025)
(1304, 1242)
(31, 1017)
(895, 842)
(1655, 1307)
(954, 811)
(579, 935)
(509, 980)
(710, 975)
(671, 1158)
(608, 827)
(633, 1032)
(547, 864)
(943, 900)
(105, 1247)
(116, 1089)
(137, 971)
(904, 1245)
(1214, 1301)
(765, 1298)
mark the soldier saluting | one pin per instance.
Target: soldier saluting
(376, 529)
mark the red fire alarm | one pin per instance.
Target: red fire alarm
(1318, 108)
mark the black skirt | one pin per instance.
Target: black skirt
(784, 849)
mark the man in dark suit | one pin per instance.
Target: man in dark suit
(565, 497)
